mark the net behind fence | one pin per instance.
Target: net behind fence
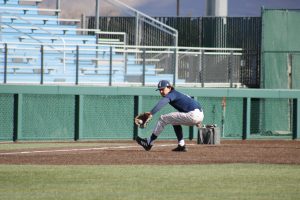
(280, 49)
(107, 117)
(221, 32)
(228, 117)
(47, 117)
(272, 117)
(6, 116)
(61, 116)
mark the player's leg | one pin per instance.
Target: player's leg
(144, 143)
(147, 143)
(179, 134)
(174, 118)
(178, 118)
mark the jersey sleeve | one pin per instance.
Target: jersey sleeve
(159, 105)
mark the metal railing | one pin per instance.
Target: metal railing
(237, 32)
(50, 31)
(142, 20)
(123, 65)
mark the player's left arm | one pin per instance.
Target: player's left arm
(162, 102)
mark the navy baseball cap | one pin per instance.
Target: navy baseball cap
(162, 84)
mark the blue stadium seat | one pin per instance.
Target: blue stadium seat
(25, 31)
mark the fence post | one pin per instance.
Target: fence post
(77, 64)
(83, 24)
(78, 117)
(42, 65)
(5, 63)
(110, 65)
(202, 68)
(246, 118)
(296, 118)
(97, 15)
(175, 66)
(137, 27)
(58, 7)
(230, 68)
(144, 67)
(126, 60)
(138, 102)
(17, 124)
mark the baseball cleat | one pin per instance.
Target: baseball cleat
(143, 143)
(180, 148)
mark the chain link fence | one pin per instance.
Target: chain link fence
(212, 32)
(99, 113)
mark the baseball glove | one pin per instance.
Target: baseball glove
(143, 119)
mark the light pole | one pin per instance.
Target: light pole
(97, 15)
(177, 8)
(58, 7)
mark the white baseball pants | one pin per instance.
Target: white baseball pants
(178, 118)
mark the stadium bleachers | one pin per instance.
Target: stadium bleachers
(37, 48)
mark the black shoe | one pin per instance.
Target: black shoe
(180, 148)
(143, 143)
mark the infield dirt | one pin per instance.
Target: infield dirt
(129, 153)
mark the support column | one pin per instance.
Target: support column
(97, 15)
(296, 119)
(247, 118)
(17, 125)
(138, 102)
(78, 117)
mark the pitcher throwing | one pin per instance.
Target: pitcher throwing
(189, 113)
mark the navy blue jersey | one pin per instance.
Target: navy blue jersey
(181, 102)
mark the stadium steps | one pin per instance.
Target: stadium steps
(24, 58)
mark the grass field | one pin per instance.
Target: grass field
(222, 181)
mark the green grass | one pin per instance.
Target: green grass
(223, 181)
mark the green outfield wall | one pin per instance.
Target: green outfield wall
(48, 112)
(280, 67)
(280, 63)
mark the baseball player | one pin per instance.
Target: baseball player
(189, 113)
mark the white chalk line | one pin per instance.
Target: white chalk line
(80, 149)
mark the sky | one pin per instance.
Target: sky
(196, 8)
(188, 8)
